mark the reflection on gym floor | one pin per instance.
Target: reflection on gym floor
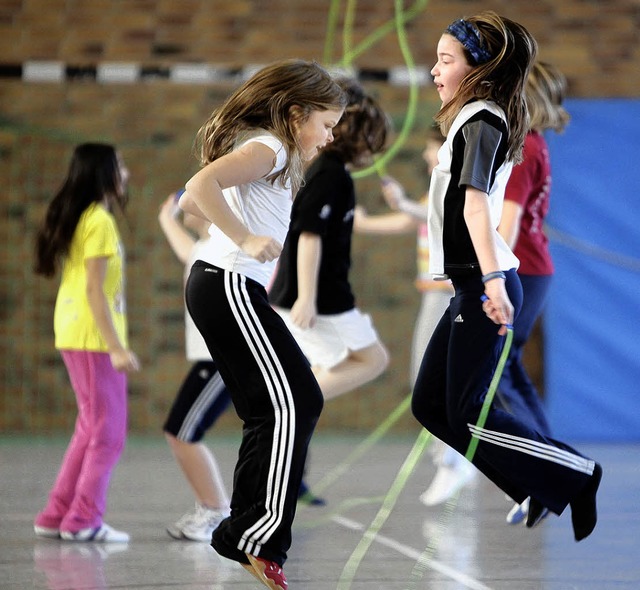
(371, 534)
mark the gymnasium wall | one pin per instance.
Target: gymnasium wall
(144, 74)
(592, 354)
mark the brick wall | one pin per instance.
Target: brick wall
(153, 120)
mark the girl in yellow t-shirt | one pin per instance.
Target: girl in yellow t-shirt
(79, 236)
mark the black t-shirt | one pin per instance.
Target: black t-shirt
(479, 149)
(324, 206)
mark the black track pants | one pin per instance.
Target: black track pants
(274, 393)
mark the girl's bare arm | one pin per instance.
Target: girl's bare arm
(121, 358)
(304, 310)
(204, 191)
(478, 219)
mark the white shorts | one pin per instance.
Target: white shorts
(331, 338)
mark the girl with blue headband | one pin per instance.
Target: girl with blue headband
(480, 73)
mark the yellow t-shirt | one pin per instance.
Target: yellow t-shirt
(74, 326)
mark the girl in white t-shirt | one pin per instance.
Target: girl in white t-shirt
(202, 396)
(253, 150)
(201, 399)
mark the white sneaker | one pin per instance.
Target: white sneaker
(102, 534)
(175, 529)
(197, 525)
(446, 483)
(518, 513)
(46, 532)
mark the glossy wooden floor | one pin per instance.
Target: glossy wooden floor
(373, 533)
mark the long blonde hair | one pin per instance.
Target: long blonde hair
(501, 79)
(546, 89)
(276, 98)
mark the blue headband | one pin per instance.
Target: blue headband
(469, 36)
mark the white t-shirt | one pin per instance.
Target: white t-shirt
(263, 207)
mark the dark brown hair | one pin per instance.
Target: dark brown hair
(363, 128)
(94, 174)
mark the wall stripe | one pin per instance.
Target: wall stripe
(180, 73)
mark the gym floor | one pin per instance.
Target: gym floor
(372, 534)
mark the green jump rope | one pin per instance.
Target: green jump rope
(353, 563)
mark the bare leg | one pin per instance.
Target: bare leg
(202, 472)
(360, 367)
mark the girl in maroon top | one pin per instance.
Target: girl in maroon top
(525, 207)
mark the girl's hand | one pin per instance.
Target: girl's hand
(392, 192)
(359, 214)
(124, 360)
(262, 248)
(303, 314)
(169, 208)
(496, 304)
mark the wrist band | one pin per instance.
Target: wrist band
(498, 274)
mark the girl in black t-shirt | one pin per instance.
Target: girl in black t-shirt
(311, 288)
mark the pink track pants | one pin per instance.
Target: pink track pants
(79, 496)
